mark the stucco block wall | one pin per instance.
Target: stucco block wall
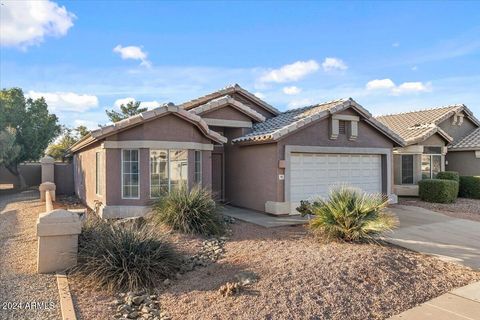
(226, 113)
(464, 162)
(63, 176)
(458, 132)
(31, 172)
(85, 175)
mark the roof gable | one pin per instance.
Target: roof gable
(417, 126)
(225, 101)
(229, 90)
(275, 128)
(141, 118)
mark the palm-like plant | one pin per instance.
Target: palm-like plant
(351, 215)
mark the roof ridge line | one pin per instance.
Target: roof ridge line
(422, 110)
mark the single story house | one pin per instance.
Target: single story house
(438, 139)
(250, 154)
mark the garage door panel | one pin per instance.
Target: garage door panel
(313, 175)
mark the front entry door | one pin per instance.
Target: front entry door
(217, 176)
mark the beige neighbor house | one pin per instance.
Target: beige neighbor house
(250, 154)
(439, 139)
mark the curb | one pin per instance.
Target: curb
(66, 302)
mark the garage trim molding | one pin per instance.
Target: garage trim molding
(289, 149)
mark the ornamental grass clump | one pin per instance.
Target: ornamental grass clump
(123, 257)
(351, 215)
(189, 211)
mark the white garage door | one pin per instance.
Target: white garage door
(314, 174)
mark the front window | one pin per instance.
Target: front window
(168, 170)
(198, 167)
(130, 174)
(431, 162)
(407, 169)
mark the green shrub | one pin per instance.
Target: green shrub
(448, 175)
(351, 215)
(438, 190)
(470, 187)
(127, 258)
(189, 211)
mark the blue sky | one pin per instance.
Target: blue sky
(86, 56)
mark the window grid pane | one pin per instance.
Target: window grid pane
(198, 167)
(158, 173)
(130, 178)
(407, 169)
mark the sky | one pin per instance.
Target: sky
(88, 56)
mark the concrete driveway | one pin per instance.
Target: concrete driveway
(425, 231)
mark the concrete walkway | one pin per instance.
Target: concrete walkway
(263, 219)
(459, 304)
(425, 231)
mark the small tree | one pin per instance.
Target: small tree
(58, 149)
(8, 148)
(132, 108)
(34, 128)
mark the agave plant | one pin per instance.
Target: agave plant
(189, 211)
(351, 215)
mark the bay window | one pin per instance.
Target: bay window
(168, 170)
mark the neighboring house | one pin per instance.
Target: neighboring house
(435, 140)
(250, 154)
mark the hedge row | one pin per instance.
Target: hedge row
(469, 187)
(449, 175)
(438, 190)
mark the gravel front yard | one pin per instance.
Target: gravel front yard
(20, 285)
(299, 278)
(464, 208)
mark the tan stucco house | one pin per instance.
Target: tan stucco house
(438, 139)
(250, 154)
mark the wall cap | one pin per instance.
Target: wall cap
(47, 160)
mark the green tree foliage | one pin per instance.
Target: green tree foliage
(8, 148)
(130, 109)
(58, 149)
(35, 127)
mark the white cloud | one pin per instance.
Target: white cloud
(291, 72)
(404, 88)
(299, 103)
(134, 53)
(414, 68)
(396, 44)
(144, 104)
(412, 87)
(291, 90)
(334, 64)
(26, 23)
(66, 101)
(380, 84)
(259, 95)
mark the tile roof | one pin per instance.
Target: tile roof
(416, 126)
(227, 100)
(289, 121)
(225, 91)
(470, 142)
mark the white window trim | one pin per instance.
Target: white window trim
(121, 184)
(430, 155)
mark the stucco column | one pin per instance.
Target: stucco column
(57, 233)
(47, 169)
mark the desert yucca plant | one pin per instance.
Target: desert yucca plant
(351, 215)
(116, 257)
(189, 211)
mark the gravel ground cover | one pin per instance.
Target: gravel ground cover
(463, 208)
(24, 294)
(298, 277)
